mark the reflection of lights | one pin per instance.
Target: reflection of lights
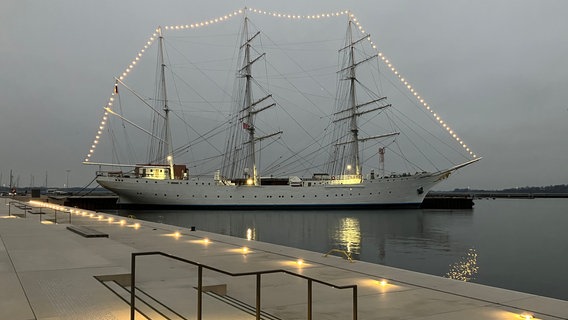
(349, 235)
(383, 283)
(177, 234)
(249, 182)
(300, 262)
(250, 234)
(204, 241)
(465, 268)
(136, 225)
(122, 222)
(245, 250)
(526, 316)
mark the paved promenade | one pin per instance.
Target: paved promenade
(50, 272)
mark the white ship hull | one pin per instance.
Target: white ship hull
(401, 191)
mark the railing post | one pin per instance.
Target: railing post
(258, 296)
(355, 303)
(132, 285)
(309, 299)
(10, 208)
(199, 291)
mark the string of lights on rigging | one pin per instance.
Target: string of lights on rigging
(205, 23)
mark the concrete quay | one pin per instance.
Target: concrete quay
(50, 272)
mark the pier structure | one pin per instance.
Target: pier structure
(60, 262)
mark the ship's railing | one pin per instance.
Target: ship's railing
(109, 173)
(117, 174)
(258, 275)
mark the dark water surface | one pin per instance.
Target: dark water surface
(518, 244)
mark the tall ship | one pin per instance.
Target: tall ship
(240, 182)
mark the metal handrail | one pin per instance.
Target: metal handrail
(14, 203)
(258, 275)
(30, 205)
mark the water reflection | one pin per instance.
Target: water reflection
(466, 268)
(251, 234)
(409, 239)
(347, 236)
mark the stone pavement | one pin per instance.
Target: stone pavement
(49, 272)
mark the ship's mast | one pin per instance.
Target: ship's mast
(345, 163)
(167, 152)
(353, 102)
(251, 154)
(240, 162)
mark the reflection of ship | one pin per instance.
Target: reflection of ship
(239, 183)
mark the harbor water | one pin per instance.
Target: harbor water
(518, 244)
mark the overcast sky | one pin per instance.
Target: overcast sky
(497, 71)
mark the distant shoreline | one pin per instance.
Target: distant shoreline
(498, 194)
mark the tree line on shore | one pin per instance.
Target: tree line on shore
(559, 188)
